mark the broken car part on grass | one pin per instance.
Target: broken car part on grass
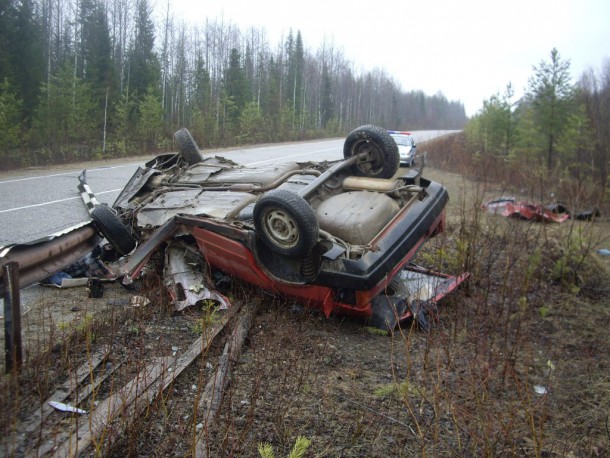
(554, 213)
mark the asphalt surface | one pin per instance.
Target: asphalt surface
(37, 203)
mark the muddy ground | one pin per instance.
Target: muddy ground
(517, 364)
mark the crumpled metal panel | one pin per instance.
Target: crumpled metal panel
(215, 204)
(185, 278)
(135, 184)
(199, 173)
(261, 175)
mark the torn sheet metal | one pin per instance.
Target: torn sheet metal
(428, 286)
(186, 276)
(424, 289)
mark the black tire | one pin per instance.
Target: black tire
(188, 146)
(389, 307)
(382, 158)
(111, 227)
(285, 223)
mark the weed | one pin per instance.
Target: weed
(376, 331)
(298, 450)
(209, 318)
(401, 390)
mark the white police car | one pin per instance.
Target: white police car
(406, 146)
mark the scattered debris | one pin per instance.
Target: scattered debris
(539, 389)
(62, 280)
(95, 288)
(90, 270)
(66, 407)
(554, 213)
(139, 301)
(73, 386)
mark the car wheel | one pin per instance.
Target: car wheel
(285, 223)
(380, 157)
(188, 146)
(111, 227)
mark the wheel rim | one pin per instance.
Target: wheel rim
(281, 228)
(369, 157)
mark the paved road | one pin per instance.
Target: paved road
(35, 205)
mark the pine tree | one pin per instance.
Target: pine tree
(299, 67)
(10, 120)
(201, 85)
(8, 13)
(491, 129)
(236, 88)
(21, 58)
(144, 68)
(150, 123)
(95, 64)
(552, 96)
(272, 103)
(65, 114)
(326, 104)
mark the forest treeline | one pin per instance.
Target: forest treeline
(558, 129)
(82, 79)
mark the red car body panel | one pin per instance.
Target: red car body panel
(234, 258)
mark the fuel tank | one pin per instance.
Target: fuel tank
(356, 216)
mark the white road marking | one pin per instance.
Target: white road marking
(16, 180)
(53, 202)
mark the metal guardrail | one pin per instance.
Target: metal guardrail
(22, 265)
(42, 258)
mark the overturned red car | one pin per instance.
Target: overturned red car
(339, 236)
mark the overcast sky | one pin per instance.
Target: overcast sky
(468, 50)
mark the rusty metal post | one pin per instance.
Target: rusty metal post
(12, 317)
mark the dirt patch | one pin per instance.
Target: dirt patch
(517, 363)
